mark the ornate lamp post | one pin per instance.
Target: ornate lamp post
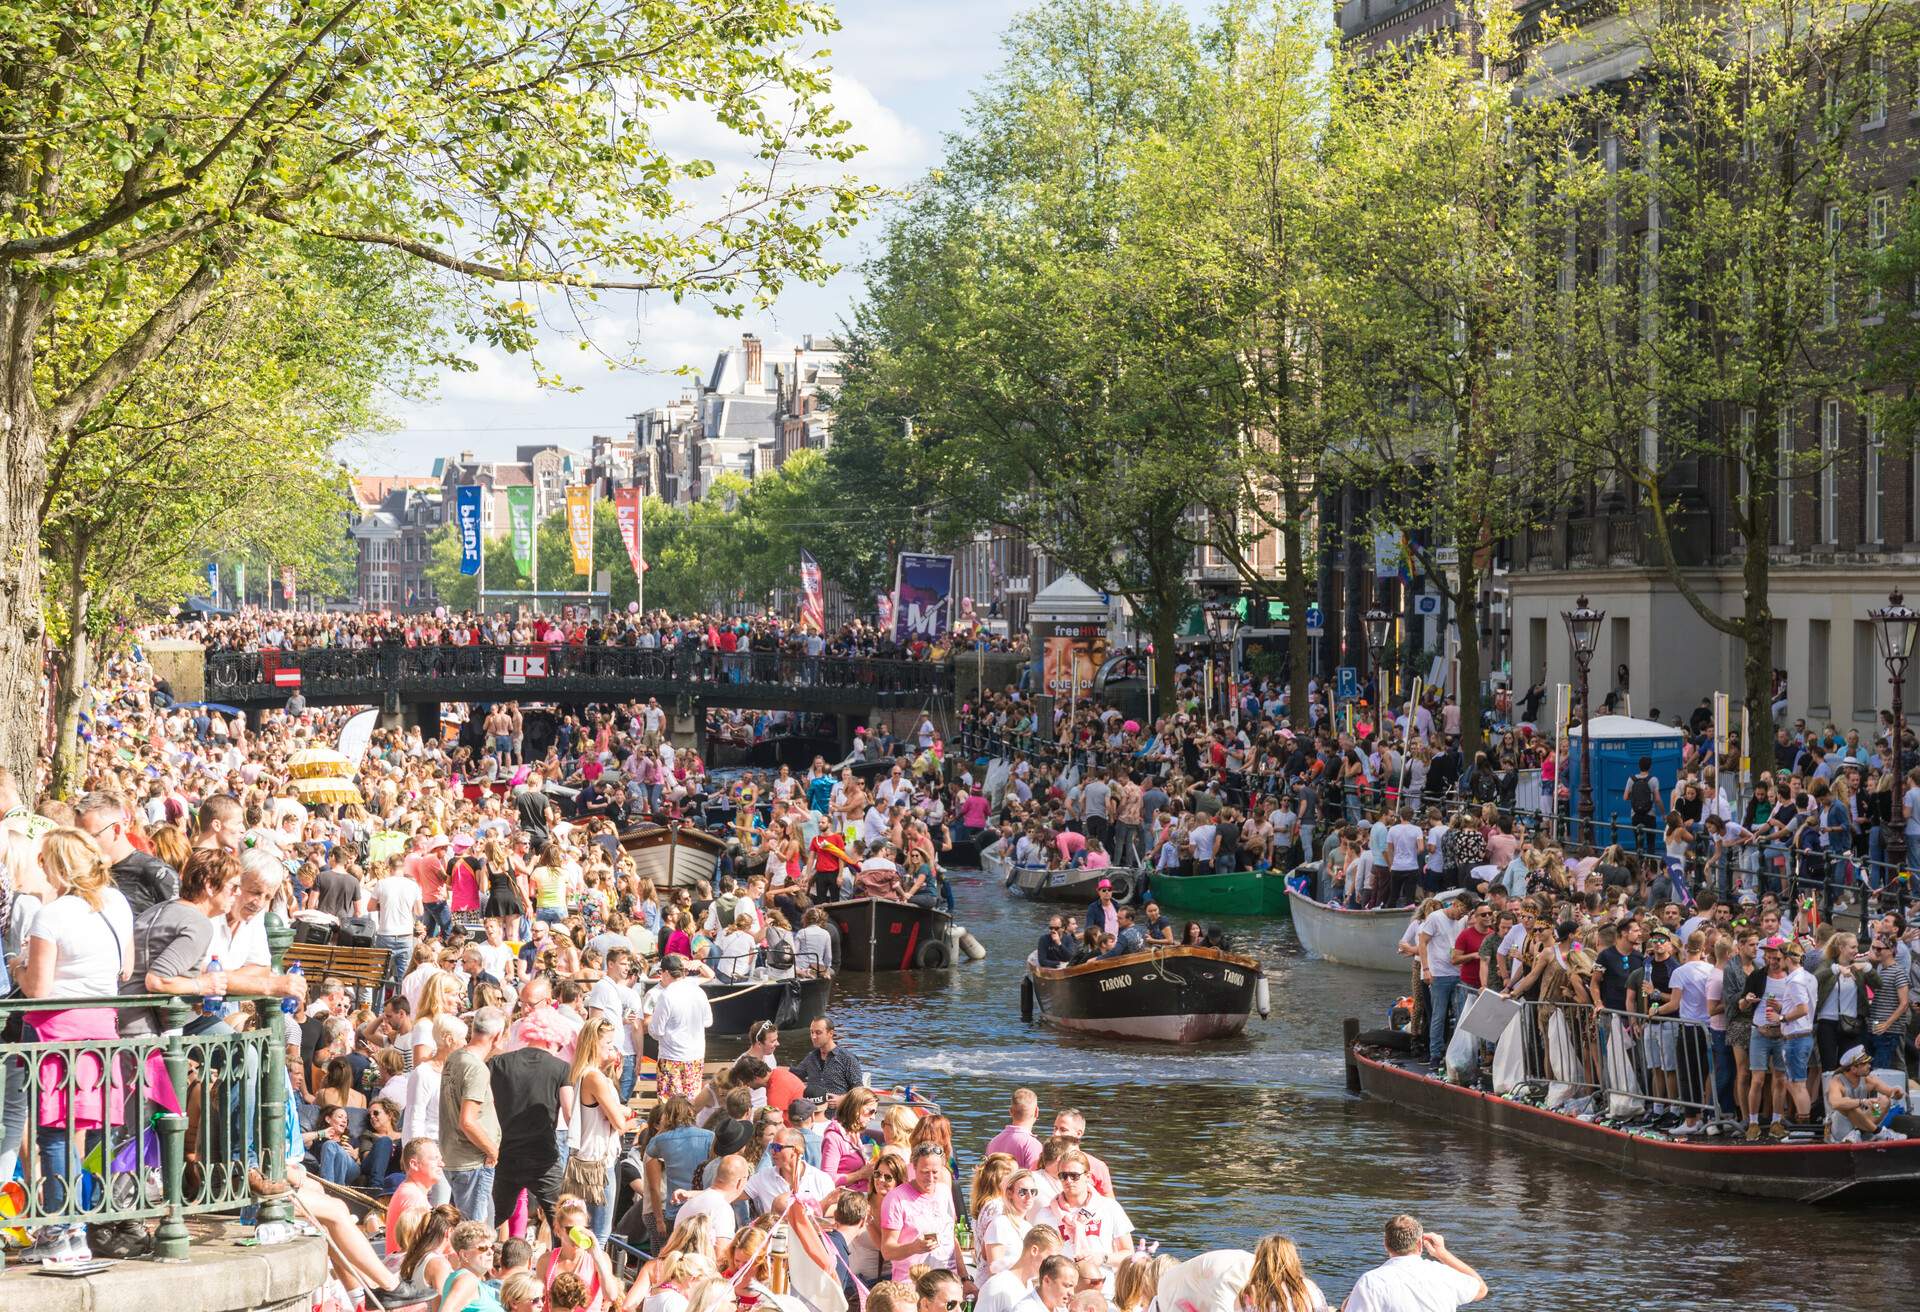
(1379, 623)
(1897, 626)
(1583, 632)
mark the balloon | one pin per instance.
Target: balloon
(633, 608)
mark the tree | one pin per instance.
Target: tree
(1440, 238)
(1739, 310)
(147, 159)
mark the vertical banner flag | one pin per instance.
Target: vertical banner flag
(286, 582)
(1722, 715)
(883, 606)
(240, 582)
(580, 528)
(626, 510)
(813, 605)
(466, 514)
(922, 597)
(520, 527)
(213, 581)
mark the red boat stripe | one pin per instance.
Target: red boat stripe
(913, 937)
(1714, 1150)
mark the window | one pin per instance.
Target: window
(1830, 472)
(1819, 679)
(1876, 509)
(1876, 115)
(1783, 493)
(1867, 670)
(1879, 208)
(1832, 316)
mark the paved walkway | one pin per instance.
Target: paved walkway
(221, 1275)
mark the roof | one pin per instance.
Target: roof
(1625, 726)
(372, 489)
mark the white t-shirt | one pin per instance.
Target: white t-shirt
(89, 962)
(1693, 981)
(245, 946)
(1101, 1222)
(1434, 835)
(1442, 929)
(679, 1020)
(1791, 993)
(396, 901)
(613, 1000)
(1009, 1234)
(494, 958)
(766, 1185)
(1403, 843)
(1410, 1284)
(1001, 1292)
(713, 1205)
(734, 953)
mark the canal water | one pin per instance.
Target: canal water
(1216, 1145)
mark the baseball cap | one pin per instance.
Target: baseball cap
(801, 1110)
(1105, 883)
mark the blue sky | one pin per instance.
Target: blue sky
(904, 70)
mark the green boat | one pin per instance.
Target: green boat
(1232, 893)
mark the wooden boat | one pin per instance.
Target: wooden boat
(1799, 1172)
(1068, 885)
(1367, 939)
(879, 934)
(1172, 995)
(1232, 893)
(675, 856)
(737, 1008)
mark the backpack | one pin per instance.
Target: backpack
(1485, 788)
(1640, 793)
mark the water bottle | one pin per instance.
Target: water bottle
(211, 1004)
(290, 1005)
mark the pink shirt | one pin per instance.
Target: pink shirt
(405, 1199)
(908, 1213)
(1018, 1142)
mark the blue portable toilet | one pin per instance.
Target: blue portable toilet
(1619, 741)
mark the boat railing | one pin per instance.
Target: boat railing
(1616, 1065)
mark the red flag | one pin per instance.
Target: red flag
(626, 510)
(814, 609)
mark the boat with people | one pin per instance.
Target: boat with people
(1224, 893)
(1172, 995)
(1068, 884)
(880, 934)
(737, 1007)
(675, 855)
(1563, 1114)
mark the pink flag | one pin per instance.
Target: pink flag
(813, 610)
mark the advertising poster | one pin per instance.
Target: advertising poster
(922, 597)
(580, 528)
(466, 515)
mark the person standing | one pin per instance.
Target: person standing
(828, 1071)
(678, 1017)
(1442, 976)
(1419, 1275)
(534, 1098)
(1018, 1140)
(469, 1119)
(396, 909)
(999, 1292)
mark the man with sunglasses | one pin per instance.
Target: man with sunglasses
(1094, 1230)
(786, 1177)
(144, 879)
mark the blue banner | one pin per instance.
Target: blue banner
(922, 597)
(213, 581)
(466, 514)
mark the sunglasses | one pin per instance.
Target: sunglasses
(1073, 1175)
(949, 1305)
(1026, 1193)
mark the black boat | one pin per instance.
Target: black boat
(878, 934)
(1805, 1172)
(1174, 995)
(737, 1008)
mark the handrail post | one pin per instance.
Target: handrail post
(273, 1107)
(171, 1240)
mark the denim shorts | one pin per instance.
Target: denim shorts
(1788, 1055)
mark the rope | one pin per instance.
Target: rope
(1160, 970)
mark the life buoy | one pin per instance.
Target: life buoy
(932, 955)
(1122, 881)
(1026, 997)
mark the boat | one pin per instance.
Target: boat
(675, 856)
(1073, 884)
(737, 1008)
(1229, 893)
(880, 934)
(1367, 939)
(1804, 1172)
(1172, 995)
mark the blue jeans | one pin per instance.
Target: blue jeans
(383, 1155)
(1724, 1072)
(472, 1193)
(53, 1164)
(439, 920)
(400, 954)
(629, 1068)
(552, 915)
(336, 1164)
(1444, 993)
(1887, 1055)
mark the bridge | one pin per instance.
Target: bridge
(413, 682)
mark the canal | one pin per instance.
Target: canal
(1213, 1146)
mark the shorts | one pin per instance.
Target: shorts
(1658, 1047)
(1788, 1056)
(680, 1078)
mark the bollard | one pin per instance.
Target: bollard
(170, 1239)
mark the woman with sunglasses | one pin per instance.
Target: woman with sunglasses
(1006, 1228)
(465, 1288)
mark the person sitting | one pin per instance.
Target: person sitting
(1131, 937)
(1858, 1101)
(1054, 951)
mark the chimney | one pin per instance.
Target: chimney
(756, 374)
(466, 457)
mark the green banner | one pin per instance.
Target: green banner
(520, 517)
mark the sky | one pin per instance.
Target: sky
(903, 73)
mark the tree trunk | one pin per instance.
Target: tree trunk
(1466, 617)
(1757, 632)
(23, 475)
(69, 761)
(1163, 625)
(1299, 645)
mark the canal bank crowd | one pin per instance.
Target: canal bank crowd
(472, 1128)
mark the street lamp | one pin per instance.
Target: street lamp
(1583, 631)
(1897, 625)
(1378, 623)
(1222, 620)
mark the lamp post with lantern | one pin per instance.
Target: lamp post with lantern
(1583, 632)
(1897, 625)
(1379, 623)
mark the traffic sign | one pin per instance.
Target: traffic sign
(1346, 683)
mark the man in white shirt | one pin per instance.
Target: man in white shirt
(1442, 976)
(1053, 1287)
(679, 1014)
(614, 997)
(396, 906)
(1405, 843)
(787, 1178)
(1005, 1288)
(1419, 1275)
(716, 1202)
(1094, 1230)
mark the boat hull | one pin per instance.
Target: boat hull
(1231, 893)
(1369, 940)
(676, 857)
(1180, 995)
(877, 934)
(790, 1004)
(1875, 1172)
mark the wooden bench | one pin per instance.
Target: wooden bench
(360, 968)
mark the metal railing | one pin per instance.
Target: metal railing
(333, 671)
(1618, 1065)
(159, 1126)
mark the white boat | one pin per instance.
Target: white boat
(1073, 884)
(675, 856)
(1367, 939)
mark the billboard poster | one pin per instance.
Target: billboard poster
(922, 597)
(520, 525)
(580, 528)
(1068, 663)
(883, 607)
(466, 515)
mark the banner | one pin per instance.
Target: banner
(1068, 664)
(626, 510)
(466, 514)
(355, 736)
(1722, 717)
(286, 583)
(922, 596)
(813, 607)
(240, 582)
(213, 581)
(520, 528)
(580, 528)
(883, 605)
